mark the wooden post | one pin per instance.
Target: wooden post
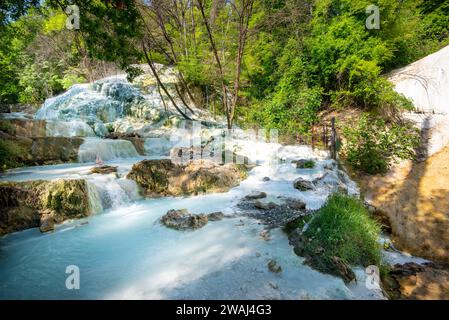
(333, 140)
(313, 137)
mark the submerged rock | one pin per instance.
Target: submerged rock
(274, 267)
(31, 204)
(183, 220)
(215, 216)
(163, 177)
(303, 185)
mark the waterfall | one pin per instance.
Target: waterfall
(75, 128)
(108, 191)
(107, 149)
(158, 146)
(94, 198)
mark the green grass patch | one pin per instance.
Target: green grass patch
(342, 228)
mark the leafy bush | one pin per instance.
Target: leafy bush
(372, 144)
(342, 228)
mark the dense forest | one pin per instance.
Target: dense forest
(268, 63)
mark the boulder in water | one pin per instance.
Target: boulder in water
(183, 220)
(47, 223)
(105, 169)
(215, 216)
(30, 204)
(265, 205)
(274, 267)
(303, 185)
(163, 177)
(256, 195)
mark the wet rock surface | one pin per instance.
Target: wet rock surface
(163, 177)
(274, 267)
(334, 266)
(303, 185)
(104, 169)
(38, 203)
(256, 195)
(183, 220)
(271, 214)
(410, 281)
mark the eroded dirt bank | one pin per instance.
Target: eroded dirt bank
(415, 198)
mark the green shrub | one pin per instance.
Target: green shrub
(342, 228)
(372, 144)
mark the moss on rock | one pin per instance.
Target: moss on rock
(162, 177)
(23, 203)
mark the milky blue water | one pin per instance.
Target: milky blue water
(125, 253)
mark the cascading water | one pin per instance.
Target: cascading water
(225, 259)
(75, 128)
(106, 149)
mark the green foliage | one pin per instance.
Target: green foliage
(309, 164)
(343, 229)
(372, 144)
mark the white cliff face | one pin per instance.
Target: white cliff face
(114, 103)
(426, 84)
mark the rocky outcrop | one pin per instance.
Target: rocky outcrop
(163, 177)
(183, 220)
(428, 281)
(45, 150)
(104, 169)
(272, 214)
(303, 185)
(41, 203)
(256, 195)
(55, 149)
(28, 128)
(412, 199)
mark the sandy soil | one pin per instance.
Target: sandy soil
(415, 198)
